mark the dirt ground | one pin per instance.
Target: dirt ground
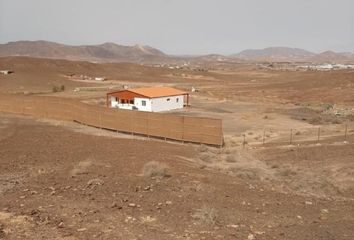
(61, 180)
(69, 185)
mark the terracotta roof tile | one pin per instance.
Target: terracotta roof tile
(155, 92)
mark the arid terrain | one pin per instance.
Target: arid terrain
(286, 170)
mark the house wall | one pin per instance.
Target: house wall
(138, 103)
(113, 101)
(162, 104)
(152, 105)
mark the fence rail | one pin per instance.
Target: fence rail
(300, 136)
(180, 128)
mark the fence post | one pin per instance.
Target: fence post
(23, 106)
(147, 126)
(100, 119)
(183, 123)
(345, 133)
(318, 134)
(291, 136)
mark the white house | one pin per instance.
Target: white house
(6, 72)
(151, 99)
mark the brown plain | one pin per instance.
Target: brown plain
(68, 181)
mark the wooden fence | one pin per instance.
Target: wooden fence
(168, 126)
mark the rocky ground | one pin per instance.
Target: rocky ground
(66, 181)
(62, 184)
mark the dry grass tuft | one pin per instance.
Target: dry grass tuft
(206, 157)
(202, 148)
(230, 159)
(155, 169)
(206, 215)
(81, 168)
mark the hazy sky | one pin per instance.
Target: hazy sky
(183, 26)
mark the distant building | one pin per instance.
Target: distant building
(6, 72)
(150, 99)
(100, 78)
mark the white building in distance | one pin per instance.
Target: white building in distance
(150, 99)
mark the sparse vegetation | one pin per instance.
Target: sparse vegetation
(58, 88)
(81, 168)
(246, 173)
(206, 215)
(202, 148)
(230, 158)
(287, 172)
(155, 169)
(206, 157)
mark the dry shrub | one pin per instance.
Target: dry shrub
(202, 148)
(274, 166)
(81, 168)
(206, 215)
(286, 171)
(205, 157)
(315, 120)
(247, 167)
(230, 159)
(247, 174)
(155, 169)
(95, 182)
(227, 151)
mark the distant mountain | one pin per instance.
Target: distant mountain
(107, 52)
(275, 54)
(111, 52)
(214, 58)
(330, 56)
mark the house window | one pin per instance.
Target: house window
(143, 103)
(177, 99)
(168, 99)
(131, 101)
(116, 99)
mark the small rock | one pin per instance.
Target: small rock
(82, 229)
(61, 225)
(132, 205)
(168, 202)
(251, 237)
(114, 205)
(308, 203)
(324, 211)
(233, 226)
